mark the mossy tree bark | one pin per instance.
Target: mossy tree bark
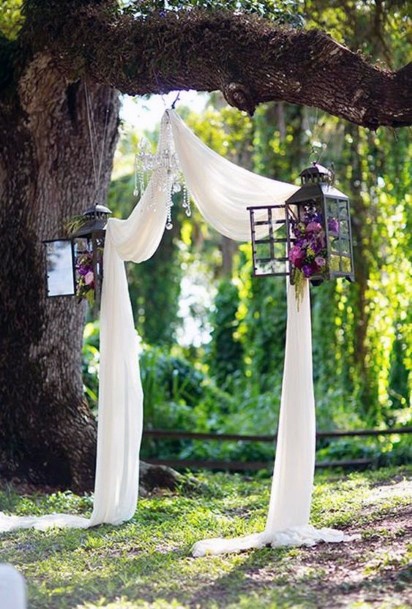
(249, 59)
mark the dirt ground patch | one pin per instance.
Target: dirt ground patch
(372, 572)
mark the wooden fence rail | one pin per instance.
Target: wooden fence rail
(257, 465)
(190, 435)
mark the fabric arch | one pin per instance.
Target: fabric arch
(222, 191)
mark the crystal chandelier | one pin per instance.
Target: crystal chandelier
(165, 159)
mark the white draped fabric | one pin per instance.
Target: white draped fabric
(120, 422)
(289, 508)
(222, 192)
(295, 451)
(292, 483)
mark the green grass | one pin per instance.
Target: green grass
(146, 563)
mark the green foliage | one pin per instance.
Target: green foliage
(178, 396)
(155, 289)
(11, 19)
(279, 11)
(379, 30)
(399, 375)
(264, 327)
(172, 387)
(225, 352)
(146, 564)
(90, 363)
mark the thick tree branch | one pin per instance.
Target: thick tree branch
(249, 59)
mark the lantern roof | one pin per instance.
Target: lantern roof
(316, 174)
(310, 191)
(317, 181)
(97, 211)
(95, 220)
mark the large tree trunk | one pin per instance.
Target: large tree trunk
(47, 432)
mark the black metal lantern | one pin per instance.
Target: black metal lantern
(75, 265)
(315, 240)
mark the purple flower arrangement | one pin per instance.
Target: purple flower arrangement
(85, 276)
(308, 256)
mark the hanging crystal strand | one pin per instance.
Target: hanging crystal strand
(169, 223)
(169, 201)
(144, 162)
(186, 201)
(168, 162)
(136, 177)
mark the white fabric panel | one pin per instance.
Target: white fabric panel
(222, 190)
(120, 423)
(294, 469)
(120, 399)
(290, 501)
(12, 588)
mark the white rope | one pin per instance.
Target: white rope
(91, 124)
(91, 135)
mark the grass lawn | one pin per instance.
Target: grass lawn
(146, 563)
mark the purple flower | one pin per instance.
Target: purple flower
(308, 270)
(89, 278)
(314, 227)
(320, 261)
(309, 254)
(333, 226)
(297, 256)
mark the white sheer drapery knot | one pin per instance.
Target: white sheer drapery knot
(294, 536)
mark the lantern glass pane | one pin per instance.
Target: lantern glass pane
(332, 208)
(305, 208)
(271, 267)
(279, 250)
(263, 250)
(346, 265)
(334, 263)
(59, 264)
(343, 207)
(269, 240)
(344, 246)
(344, 228)
(81, 245)
(333, 242)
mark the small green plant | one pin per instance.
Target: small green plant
(90, 363)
